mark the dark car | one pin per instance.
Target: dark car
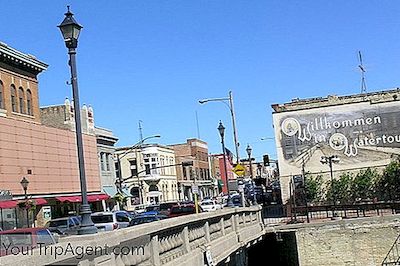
(237, 201)
(142, 219)
(24, 239)
(165, 207)
(182, 209)
(64, 226)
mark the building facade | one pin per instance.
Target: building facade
(198, 174)
(362, 130)
(45, 156)
(148, 171)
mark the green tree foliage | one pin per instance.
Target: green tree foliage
(314, 190)
(363, 185)
(388, 185)
(340, 189)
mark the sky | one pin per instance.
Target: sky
(153, 60)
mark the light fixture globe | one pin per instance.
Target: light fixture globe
(70, 30)
(221, 129)
(248, 150)
(24, 183)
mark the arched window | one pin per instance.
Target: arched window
(13, 98)
(29, 109)
(21, 99)
(1, 96)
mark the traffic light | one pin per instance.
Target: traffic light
(266, 159)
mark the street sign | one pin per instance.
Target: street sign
(239, 170)
(195, 189)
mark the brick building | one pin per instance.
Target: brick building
(45, 155)
(198, 174)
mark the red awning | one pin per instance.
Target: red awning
(69, 198)
(98, 197)
(8, 204)
(91, 198)
(39, 201)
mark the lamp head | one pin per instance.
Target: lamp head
(202, 101)
(221, 129)
(248, 149)
(70, 30)
(24, 183)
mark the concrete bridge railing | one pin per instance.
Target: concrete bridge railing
(177, 241)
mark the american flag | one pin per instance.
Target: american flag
(229, 154)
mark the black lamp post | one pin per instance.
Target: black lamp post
(330, 160)
(221, 130)
(248, 150)
(70, 30)
(24, 183)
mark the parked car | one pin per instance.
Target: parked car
(64, 226)
(108, 221)
(237, 201)
(141, 219)
(182, 209)
(209, 205)
(165, 207)
(24, 239)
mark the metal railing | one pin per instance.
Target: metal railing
(393, 256)
(273, 214)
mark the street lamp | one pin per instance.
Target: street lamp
(221, 130)
(248, 150)
(70, 30)
(330, 160)
(230, 106)
(24, 183)
(137, 145)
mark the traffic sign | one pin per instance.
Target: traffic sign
(239, 170)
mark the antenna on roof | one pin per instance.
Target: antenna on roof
(362, 69)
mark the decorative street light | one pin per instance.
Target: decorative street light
(230, 106)
(70, 30)
(221, 130)
(248, 150)
(330, 160)
(24, 183)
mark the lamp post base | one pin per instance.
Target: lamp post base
(87, 226)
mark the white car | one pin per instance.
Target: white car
(210, 205)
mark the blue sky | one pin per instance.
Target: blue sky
(153, 60)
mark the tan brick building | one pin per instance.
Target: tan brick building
(194, 150)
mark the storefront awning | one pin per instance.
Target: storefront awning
(110, 190)
(91, 198)
(8, 204)
(38, 201)
(98, 197)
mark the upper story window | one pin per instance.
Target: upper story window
(21, 100)
(13, 98)
(1, 96)
(29, 109)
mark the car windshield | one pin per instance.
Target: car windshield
(57, 223)
(99, 219)
(207, 203)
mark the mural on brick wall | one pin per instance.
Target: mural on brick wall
(356, 132)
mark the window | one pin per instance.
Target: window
(21, 97)
(102, 161)
(13, 98)
(133, 165)
(29, 109)
(122, 217)
(1, 96)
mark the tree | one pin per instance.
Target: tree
(362, 186)
(313, 187)
(340, 189)
(388, 185)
